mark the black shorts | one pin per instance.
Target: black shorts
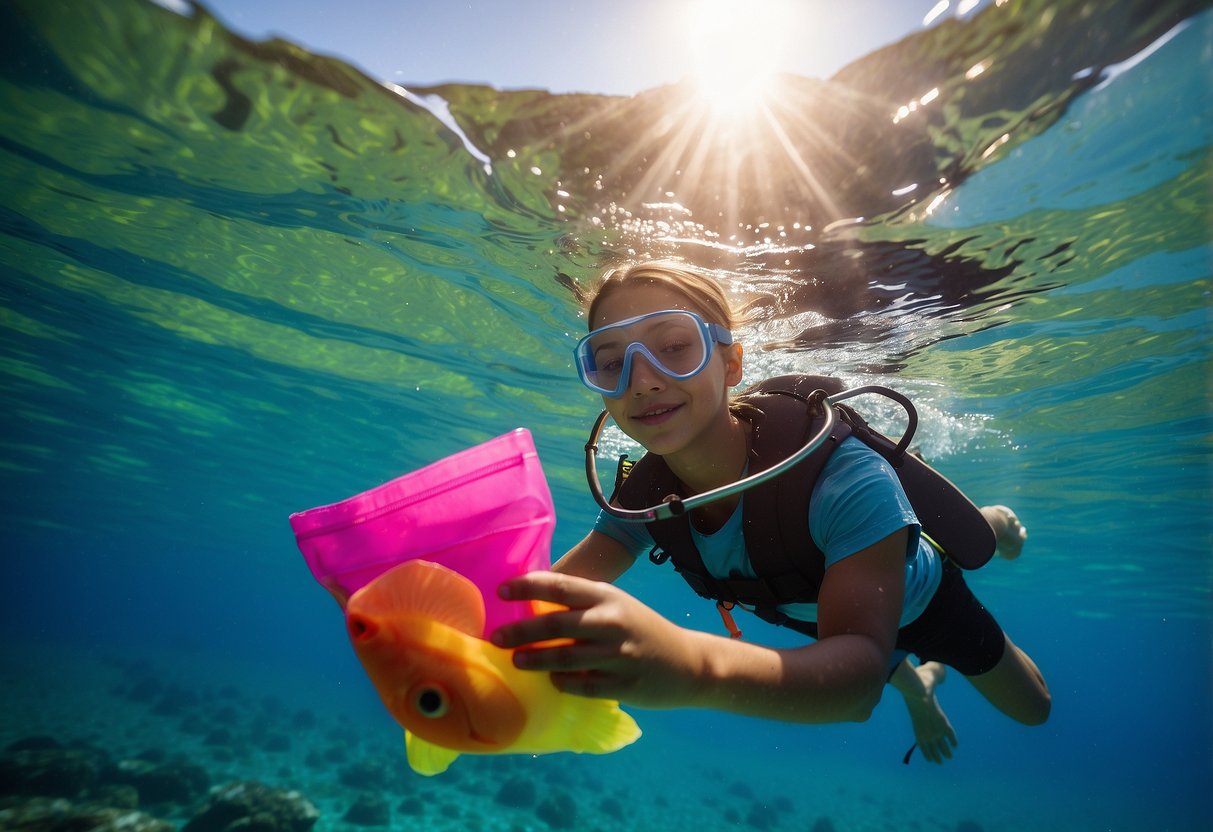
(955, 628)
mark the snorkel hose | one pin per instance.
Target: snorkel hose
(675, 506)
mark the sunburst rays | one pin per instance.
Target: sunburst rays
(772, 161)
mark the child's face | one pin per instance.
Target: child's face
(664, 414)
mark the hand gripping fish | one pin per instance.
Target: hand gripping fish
(418, 631)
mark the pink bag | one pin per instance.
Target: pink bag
(485, 512)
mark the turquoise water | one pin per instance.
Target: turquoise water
(239, 281)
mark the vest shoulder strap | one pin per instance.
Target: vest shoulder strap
(788, 564)
(649, 482)
(776, 518)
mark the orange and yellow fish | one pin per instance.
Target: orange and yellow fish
(418, 631)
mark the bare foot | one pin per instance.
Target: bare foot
(1009, 533)
(932, 675)
(932, 731)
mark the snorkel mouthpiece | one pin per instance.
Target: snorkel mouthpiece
(677, 507)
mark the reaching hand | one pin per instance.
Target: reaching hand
(621, 649)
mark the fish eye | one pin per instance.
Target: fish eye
(431, 702)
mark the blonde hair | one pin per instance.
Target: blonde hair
(699, 289)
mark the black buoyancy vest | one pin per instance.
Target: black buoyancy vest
(789, 566)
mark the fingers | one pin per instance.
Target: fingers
(574, 597)
(580, 644)
(589, 646)
(567, 590)
(594, 684)
(543, 644)
(581, 615)
(563, 624)
(578, 656)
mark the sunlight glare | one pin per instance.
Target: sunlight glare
(936, 10)
(733, 50)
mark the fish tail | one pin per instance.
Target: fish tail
(597, 726)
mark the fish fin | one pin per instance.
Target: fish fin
(597, 726)
(424, 588)
(425, 758)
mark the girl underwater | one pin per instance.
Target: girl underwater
(661, 353)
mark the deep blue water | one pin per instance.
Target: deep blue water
(204, 329)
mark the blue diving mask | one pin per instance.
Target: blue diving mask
(676, 342)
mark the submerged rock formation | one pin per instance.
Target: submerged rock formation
(250, 806)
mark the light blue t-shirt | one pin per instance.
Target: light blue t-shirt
(856, 502)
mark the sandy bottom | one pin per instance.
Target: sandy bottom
(248, 724)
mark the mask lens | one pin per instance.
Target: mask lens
(678, 344)
(674, 342)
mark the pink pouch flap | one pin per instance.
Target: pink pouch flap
(485, 512)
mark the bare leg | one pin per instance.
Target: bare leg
(1016, 687)
(932, 730)
(1008, 531)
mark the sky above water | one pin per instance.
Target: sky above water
(619, 47)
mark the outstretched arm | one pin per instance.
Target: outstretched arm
(624, 650)
(598, 557)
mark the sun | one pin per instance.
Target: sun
(738, 144)
(733, 50)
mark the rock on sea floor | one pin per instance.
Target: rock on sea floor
(174, 743)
